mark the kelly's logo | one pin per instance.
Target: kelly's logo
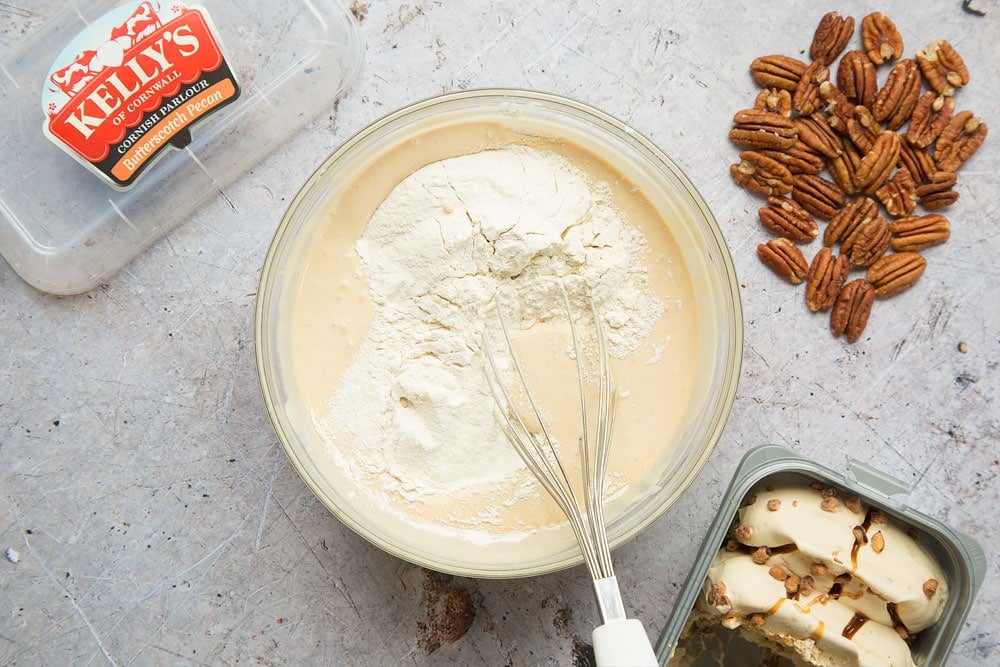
(138, 79)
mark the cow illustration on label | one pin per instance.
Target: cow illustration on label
(133, 84)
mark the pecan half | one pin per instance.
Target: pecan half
(914, 233)
(785, 259)
(880, 38)
(844, 167)
(930, 116)
(761, 174)
(817, 195)
(774, 100)
(786, 217)
(917, 161)
(939, 193)
(943, 68)
(851, 309)
(876, 166)
(899, 194)
(753, 128)
(868, 242)
(856, 78)
(854, 213)
(806, 98)
(800, 159)
(959, 139)
(777, 71)
(838, 108)
(895, 272)
(816, 133)
(832, 35)
(894, 102)
(862, 128)
(825, 278)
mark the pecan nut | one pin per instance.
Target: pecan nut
(894, 102)
(868, 242)
(777, 71)
(785, 259)
(852, 309)
(761, 174)
(806, 97)
(914, 233)
(862, 128)
(939, 193)
(918, 161)
(774, 100)
(895, 272)
(826, 276)
(959, 139)
(816, 133)
(832, 35)
(930, 116)
(880, 38)
(817, 195)
(754, 128)
(844, 167)
(876, 166)
(854, 213)
(838, 108)
(899, 194)
(943, 68)
(800, 159)
(856, 78)
(786, 218)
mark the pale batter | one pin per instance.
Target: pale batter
(401, 425)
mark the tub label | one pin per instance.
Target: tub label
(132, 84)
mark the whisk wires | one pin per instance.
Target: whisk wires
(540, 454)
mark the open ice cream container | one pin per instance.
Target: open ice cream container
(961, 560)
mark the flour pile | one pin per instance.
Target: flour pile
(414, 402)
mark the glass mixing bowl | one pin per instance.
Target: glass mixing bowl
(315, 211)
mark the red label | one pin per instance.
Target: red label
(132, 96)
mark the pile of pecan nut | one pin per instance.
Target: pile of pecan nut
(829, 143)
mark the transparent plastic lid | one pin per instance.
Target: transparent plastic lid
(63, 227)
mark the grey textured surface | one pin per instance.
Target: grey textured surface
(154, 519)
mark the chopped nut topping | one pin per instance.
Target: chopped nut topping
(829, 504)
(774, 504)
(930, 587)
(761, 555)
(732, 545)
(792, 584)
(751, 499)
(818, 569)
(843, 578)
(878, 542)
(853, 503)
(778, 573)
(878, 518)
(756, 621)
(806, 585)
(817, 485)
(743, 532)
(829, 492)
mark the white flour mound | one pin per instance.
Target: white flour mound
(414, 402)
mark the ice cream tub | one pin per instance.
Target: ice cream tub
(804, 565)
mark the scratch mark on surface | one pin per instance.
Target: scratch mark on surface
(58, 584)
(267, 503)
(555, 45)
(489, 45)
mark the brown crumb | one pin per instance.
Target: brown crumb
(751, 499)
(756, 621)
(774, 504)
(732, 545)
(829, 492)
(359, 10)
(817, 485)
(761, 554)
(930, 587)
(878, 518)
(450, 611)
(829, 504)
(818, 569)
(843, 578)
(792, 584)
(743, 532)
(778, 573)
(854, 504)
(806, 585)
(878, 542)
(912, 532)
(795, 503)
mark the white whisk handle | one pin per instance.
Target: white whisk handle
(623, 643)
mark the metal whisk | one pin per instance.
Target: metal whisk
(619, 640)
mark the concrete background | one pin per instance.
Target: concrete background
(152, 517)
